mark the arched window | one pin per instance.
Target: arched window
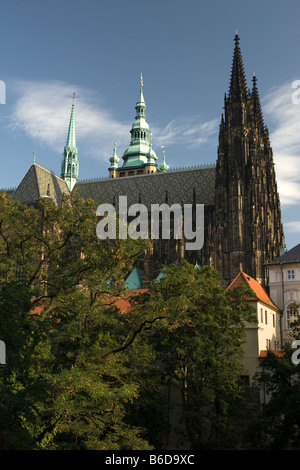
(292, 314)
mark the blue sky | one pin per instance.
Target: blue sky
(98, 48)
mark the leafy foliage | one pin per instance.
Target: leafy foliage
(82, 373)
(200, 330)
(278, 427)
(63, 385)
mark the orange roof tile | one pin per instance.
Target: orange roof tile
(257, 288)
(123, 303)
(265, 352)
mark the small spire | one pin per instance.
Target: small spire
(141, 83)
(114, 160)
(71, 139)
(238, 87)
(256, 103)
(163, 166)
(34, 155)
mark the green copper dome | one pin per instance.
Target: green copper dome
(139, 152)
(163, 166)
(114, 160)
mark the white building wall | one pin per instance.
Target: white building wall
(284, 285)
(261, 336)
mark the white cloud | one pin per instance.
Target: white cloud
(188, 130)
(292, 227)
(284, 116)
(43, 110)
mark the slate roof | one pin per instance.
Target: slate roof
(171, 187)
(291, 256)
(40, 182)
(180, 186)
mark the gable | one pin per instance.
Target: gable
(40, 182)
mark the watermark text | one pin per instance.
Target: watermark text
(166, 222)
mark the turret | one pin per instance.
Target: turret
(139, 157)
(114, 160)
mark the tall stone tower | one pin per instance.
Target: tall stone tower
(245, 230)
(70, 165)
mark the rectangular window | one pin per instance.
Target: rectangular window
(274, 320)
(291, 274)
(266, 317)
(261, 315)
(245, 380)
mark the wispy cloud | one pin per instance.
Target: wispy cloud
(284, 116)
(292, 227)
(42, 111)
(190, 130)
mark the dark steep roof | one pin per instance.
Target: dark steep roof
(291, 256)
(171, 187)
(40, 182)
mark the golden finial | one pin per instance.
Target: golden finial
(73, 96)
(141, 84)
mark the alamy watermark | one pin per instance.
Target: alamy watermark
(2, 92)
(295, 358)
(296, 93)
(165, 222)
(2, 353)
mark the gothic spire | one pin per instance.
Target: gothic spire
(238, 86)
(256, 104)
(70, 165)
(71, 139)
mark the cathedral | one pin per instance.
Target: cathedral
(242, 217)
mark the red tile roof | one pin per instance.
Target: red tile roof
(124, 304)
(260, 293)
(265, 352)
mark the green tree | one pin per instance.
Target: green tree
(200, 331)
(278, 426)
(66, 383)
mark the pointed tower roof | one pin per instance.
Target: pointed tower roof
(141, 101)
(140, 152)
(256, 104)
(71, 139)
(70, 164)
(164, 166)
(238, 85)
(114, 159)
